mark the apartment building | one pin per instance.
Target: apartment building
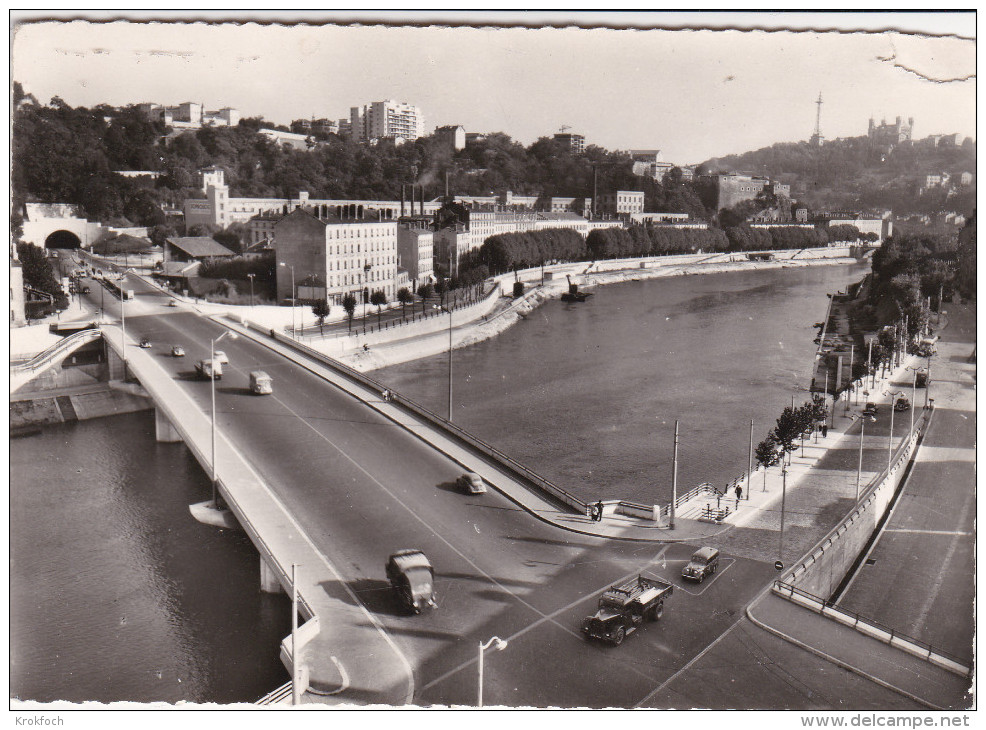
(388, 119)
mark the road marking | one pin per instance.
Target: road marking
(550, 617)
(928, 532)
(345, 677)
(685, 668)
(705, 587)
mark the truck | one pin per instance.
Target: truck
(261, 383)
(209, 370)
(624, 608)
(412, 578)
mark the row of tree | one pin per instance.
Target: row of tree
(39, 274)
(793, 425)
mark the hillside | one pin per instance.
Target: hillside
(857, 174)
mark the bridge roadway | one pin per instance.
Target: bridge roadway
(360, 487)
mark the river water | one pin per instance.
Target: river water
(118, 594)
(587, 394)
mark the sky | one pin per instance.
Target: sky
(693, 94)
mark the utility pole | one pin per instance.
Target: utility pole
(749, 477)
(780, 547)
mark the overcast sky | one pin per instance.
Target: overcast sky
(694, 94)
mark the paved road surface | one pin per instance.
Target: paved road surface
(362, 488)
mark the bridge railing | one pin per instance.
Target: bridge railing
(477, 444)
(67, 344)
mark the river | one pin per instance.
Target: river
(118, 594)
(587, 394)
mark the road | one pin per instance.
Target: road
(362, 487)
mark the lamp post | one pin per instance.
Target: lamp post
(749, 473)
(780, 547)
(250, 277)
(890, 437)
(366, 278)
(295, 688)
(859, 466)
(497, 643)
(294, 298)
(212, 378)
(123, 332)
(674, 478)
(852, 353)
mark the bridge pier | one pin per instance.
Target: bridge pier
(269, 580)
(164, 432)
(114, 363)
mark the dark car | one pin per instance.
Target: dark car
(413, 579)
(144, 342)
(902, 404)
(704, 562)
(870, 409)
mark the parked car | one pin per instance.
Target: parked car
(922, 380)
(412, 578)
(472, 483)
(220, 357)
(177, 351)
(704, 562)
(870, 409)
(902, 404)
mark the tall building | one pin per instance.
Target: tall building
(453, 136)
(386, 120)
(575, 142)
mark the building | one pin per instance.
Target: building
(220, 210)
(189, 115)
(389, 119)
(416, 250)
(344, 128)
(891, 134)
(289, 140)
(882, 226)
(651, 163)
(17, 308)
(194, 248)
(621, 202)
(453, 137)
(574, 142)
(474, 138)
(329, 256)
(316, 126)
(732, 189)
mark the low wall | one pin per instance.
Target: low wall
(825, 566)
(39, 409)
(519, 471)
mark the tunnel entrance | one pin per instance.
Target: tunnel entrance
(63, 239)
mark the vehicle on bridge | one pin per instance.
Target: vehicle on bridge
(220, 357)
(145, 343)
(704, 562)
(261, 383)
(209, 369)
(413, 579)
(624, 608)
(177, 351)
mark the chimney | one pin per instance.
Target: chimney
(422, 200)
(402, 199)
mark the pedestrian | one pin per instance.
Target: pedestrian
(825, 430)
(597, 512)
(739, 495)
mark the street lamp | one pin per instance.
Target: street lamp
(890, 438)
(497, 643)
(212, 378)
(449, 313)
(780, 547)
(250, 277)
(862, 435)
(294, 298)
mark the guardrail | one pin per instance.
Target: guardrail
(873, 628)
(474, 442)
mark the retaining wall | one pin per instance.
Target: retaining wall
(826, 565)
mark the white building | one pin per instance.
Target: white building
(399, 121)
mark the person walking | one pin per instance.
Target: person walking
(739, 495)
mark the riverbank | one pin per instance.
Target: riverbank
(510, 312)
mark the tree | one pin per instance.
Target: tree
(767, 454)
(405, 297)
(378, 299)
(349, 304)
(806, 420)
(788, 429)
(441, 286)
(424, 291)
(321, 310)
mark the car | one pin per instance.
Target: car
(870, 409)
(412, 578)
(471, 482)
(220, 357)
(902, 404)
(177, 351)
(704, 562)
(172, 302)
(85, 290)
(145, 343)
